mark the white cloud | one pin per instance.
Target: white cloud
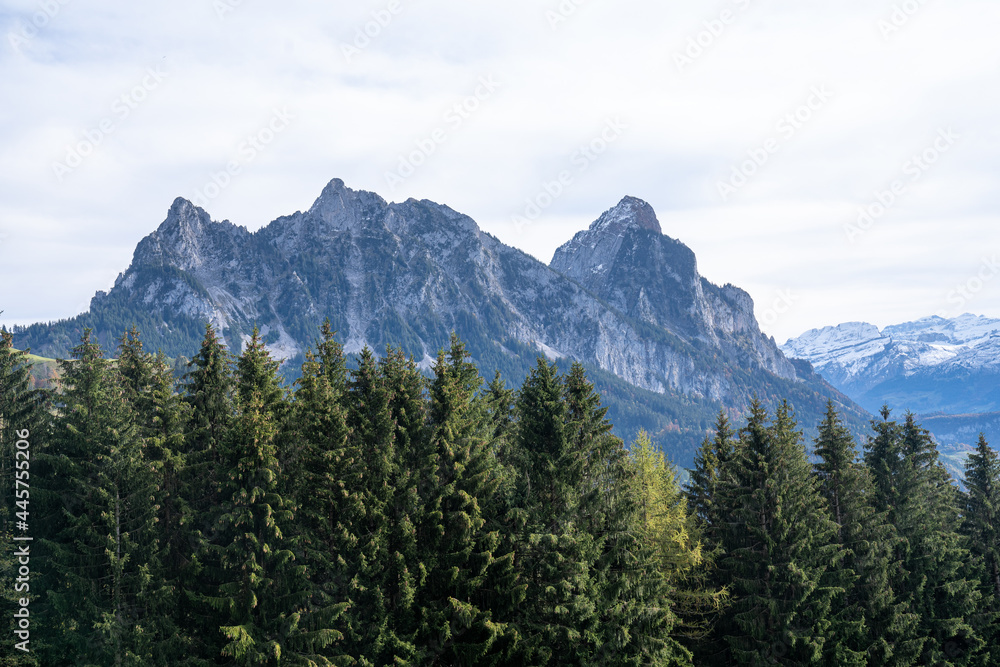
(354, 118)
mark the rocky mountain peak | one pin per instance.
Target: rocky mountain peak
(186, 238)
(630, 213)
(345, 209)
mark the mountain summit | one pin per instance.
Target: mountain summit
(667, 347)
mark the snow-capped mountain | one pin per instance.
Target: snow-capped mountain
(928, 366)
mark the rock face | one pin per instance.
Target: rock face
(928, 366)
(620, 297)
(626, 261)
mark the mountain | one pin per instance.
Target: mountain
(932, 365)
(667, 348)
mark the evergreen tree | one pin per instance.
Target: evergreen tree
(156, 410)
(506, 458)
(559, 618)
(937, 576)
(629, 591)
(382, 619)
(23, 418)
(704, 493)
(709, 462)
(325, 480)
(471, 588)
(103, 545)
(261, 588)
(870, 626)
(208, 396)
(778, 542)
(982, 526)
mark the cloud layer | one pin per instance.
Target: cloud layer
(796, 147)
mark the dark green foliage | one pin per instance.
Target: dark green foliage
(323, 477)
(936, 578)
(376, 516)
(559, 617)
(260, 587)
(471, 589)
(870, 625)
(777, 539)
(981, 511)
(102, 542)
(22, 418)
(382, 619)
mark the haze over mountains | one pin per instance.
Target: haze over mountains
(667, 347)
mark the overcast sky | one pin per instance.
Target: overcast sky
(757, 129)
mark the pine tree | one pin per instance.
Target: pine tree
(704, 493)
(870, 626)
(629, 591)
(157, 412)
(981, 524)
(778, 542)
(505, 456)
(104, 545)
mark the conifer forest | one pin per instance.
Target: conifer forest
(378, 512)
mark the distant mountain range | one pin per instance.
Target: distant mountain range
(932, 365)
(667, 348)
(947, 371)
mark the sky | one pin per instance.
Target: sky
(839, 161)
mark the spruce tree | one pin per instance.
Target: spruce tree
(704, 493)
(870, 626)
(937, 574)
(559, 618)
(157, 412)
(471, 590)
(103, 545)
(23, 418)
(778, 542)
(981, 525)
(323, 476)
(629, 591)
(261, 589)
(207, 393)
(381, 621)
(709, 461)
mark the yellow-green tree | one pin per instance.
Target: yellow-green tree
(672, 531)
